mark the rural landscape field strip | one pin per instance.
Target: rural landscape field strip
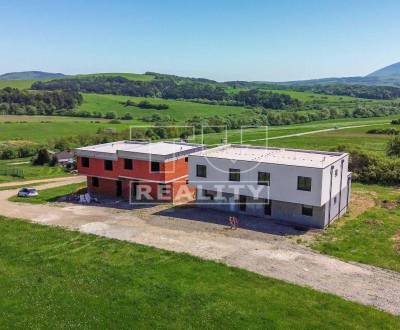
(277, 258)
(63, 279)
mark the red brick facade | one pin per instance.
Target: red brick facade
(134, 184)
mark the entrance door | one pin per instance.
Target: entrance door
(119, 188)
(242, 203)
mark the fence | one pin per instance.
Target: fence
(17, 172)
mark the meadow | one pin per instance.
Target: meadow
(53, 278)
(178, 110)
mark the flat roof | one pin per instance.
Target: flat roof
(281, 156)
(161, 148)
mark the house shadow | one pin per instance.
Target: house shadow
(189, 212)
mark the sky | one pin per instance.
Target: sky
(223, 40)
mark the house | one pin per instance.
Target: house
(138, 171)
(308, 188)
(65, 157)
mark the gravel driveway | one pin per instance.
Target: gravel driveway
(260, 247)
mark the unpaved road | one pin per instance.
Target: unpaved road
(203, 234)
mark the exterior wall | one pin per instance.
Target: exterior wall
(283, 184)
(172, 173)
(284, 211)
(341, 168)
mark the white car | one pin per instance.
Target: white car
(28, 192)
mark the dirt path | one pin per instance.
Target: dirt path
(203, 234)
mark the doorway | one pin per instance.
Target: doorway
(119, 188)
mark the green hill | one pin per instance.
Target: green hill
(30, 75)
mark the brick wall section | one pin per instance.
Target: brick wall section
(176, 170)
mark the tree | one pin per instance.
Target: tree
(42, 157)
(393, 147)
(110, 115)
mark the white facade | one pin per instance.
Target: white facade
(328, 173)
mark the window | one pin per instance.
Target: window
(307, 210)
(95, 181)
(108, 165)
(201, 171)
(85, 162)
(336, 172)
(234, 174)
(186, 159)
(128, 164)
(263, 178)
(155, 166)
(303, 183)
(267, 207)
(334, 200)
(187, 181)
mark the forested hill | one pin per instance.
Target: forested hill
(30, 75)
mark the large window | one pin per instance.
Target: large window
(95, 181)
(155, 166)
(108, 165)
(304, 183)
(201, 171)
(128, 164)
(307, 210)
(242, 203)
(264, 178)
(85, 162)
(234, 174)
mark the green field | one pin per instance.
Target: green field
(130, 76)
(28, 171)
(56, 279)
(373, 237)
(42, 129)
(20, 84)
(50, 194)
(178, 110)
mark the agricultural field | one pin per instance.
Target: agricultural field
(178, 110)
(42, 129)
(64, 279)
(20, 84)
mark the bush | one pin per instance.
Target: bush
(110, 115)
(393, 147)
(42, 157)
(127, 116)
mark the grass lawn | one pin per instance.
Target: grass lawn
(54, 279)
(28, 171)
(373, 237)
(50, 194)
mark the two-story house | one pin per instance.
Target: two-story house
(137, 171)
(310, 188)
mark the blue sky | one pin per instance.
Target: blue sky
(223, 40)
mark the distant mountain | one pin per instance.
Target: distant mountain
(30, 75)
(387, 71)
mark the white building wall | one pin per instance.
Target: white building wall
(283, 185)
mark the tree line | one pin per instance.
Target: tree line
(168, 88)
(361, 91)
(18, 102)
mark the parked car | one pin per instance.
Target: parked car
(28, 192)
